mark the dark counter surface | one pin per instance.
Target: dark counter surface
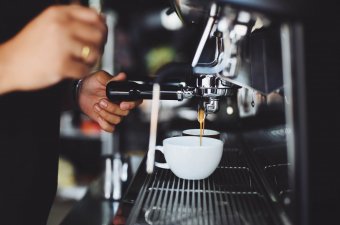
(94, 209)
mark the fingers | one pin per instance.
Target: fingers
(84, 13)
(130, 105)
(105, 125)
(86, 33)
(104, 108)
(93, 33)
(82, 32)
(87, 53)
(110, 118)
(109, 115)
(87, 37)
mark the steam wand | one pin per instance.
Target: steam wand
(169, 70)
(153, 128)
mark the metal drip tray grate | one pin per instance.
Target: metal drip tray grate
(229, 196)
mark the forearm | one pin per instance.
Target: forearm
(5, 87)
(7, 83)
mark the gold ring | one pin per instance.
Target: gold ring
(85, 52)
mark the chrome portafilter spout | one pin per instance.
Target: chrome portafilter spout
(212, 90)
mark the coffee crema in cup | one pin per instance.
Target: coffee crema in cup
(197, 132)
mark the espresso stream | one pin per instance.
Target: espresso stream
(201, 117)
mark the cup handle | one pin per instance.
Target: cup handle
(161, 165)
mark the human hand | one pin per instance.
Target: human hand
(51, 48)
(92, 100)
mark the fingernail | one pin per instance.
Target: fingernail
(103, 103)
(124, 106)
(97, 108)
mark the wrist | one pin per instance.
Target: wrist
(76, 92)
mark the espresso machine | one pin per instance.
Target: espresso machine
(250, 61)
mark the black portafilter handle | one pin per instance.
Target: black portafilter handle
(117, 91)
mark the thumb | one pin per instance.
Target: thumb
(119, 77)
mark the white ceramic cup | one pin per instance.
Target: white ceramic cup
(187, 159)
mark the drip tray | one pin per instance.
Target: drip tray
(231, 195)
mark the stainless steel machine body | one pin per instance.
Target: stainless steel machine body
(250, 61)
